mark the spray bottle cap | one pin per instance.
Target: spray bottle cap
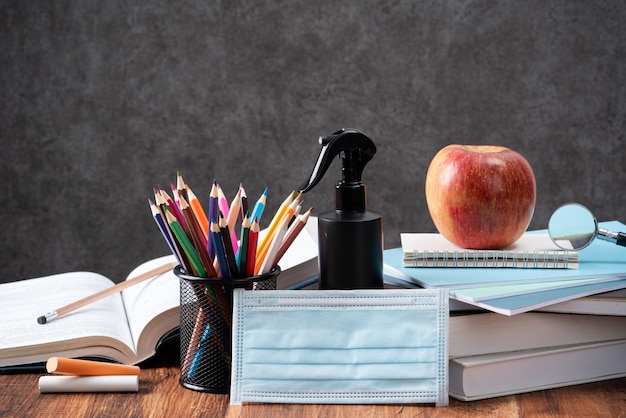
(355, 149)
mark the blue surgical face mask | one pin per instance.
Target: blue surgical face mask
(340, 346)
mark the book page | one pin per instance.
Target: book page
(22, 302)
(152, 306)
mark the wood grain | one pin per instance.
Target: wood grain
(161, 395)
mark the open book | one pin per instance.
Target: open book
(125, 327)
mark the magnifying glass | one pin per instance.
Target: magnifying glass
(573, 227)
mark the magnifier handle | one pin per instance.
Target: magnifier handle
(618, 238)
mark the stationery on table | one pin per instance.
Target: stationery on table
(126, 326)
(240, 257)
(529, 251)
(84, 384)
(212, 250)
(79, 367)
(88, 376)
(602, 268)
(104, 293)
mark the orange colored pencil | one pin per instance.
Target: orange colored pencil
(60, 365)
(198, 211)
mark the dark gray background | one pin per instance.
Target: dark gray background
(103, 100)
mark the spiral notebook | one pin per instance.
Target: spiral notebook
(530, 251)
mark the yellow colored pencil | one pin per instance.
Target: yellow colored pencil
(271, 230)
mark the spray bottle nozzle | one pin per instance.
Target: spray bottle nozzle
(355, 149)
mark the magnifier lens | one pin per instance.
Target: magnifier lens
(572, 227)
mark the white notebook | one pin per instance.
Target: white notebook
(530, 251)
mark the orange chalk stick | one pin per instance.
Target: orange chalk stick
(59, 365)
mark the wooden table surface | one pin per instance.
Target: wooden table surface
(160, 395)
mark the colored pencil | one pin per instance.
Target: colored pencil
(175, 194)
(271, 230)
(228, 248)
(293, 208)
(162, 202)
(196, 337)
(296, 213)
(259, 206)
(104, 293)
(198, 212)
(242, 253)
(222, 202)
(181, 186)
(244, 203)
(197, 238)
(172, 207)
(165, 231)
(272, 249)
(77, 367)
(200, 352)
(188, 248)
(292, 233)
(252, 247)
(214, 213)
(231, 220)
(220, 254)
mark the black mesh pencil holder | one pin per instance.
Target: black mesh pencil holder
(206, 311)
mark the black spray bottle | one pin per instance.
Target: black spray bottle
(350, 237)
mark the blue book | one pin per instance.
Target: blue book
(510, 291)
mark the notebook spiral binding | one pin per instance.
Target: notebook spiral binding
(490, 259)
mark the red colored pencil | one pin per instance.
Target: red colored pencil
(253, 240)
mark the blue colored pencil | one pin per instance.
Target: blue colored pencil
(218, 245)
(167, 234)
(214, 213)
(259, 206)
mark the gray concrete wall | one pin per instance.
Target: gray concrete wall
(101, 101)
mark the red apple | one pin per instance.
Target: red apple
(480, 196)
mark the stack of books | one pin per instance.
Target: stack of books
(519, 326)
